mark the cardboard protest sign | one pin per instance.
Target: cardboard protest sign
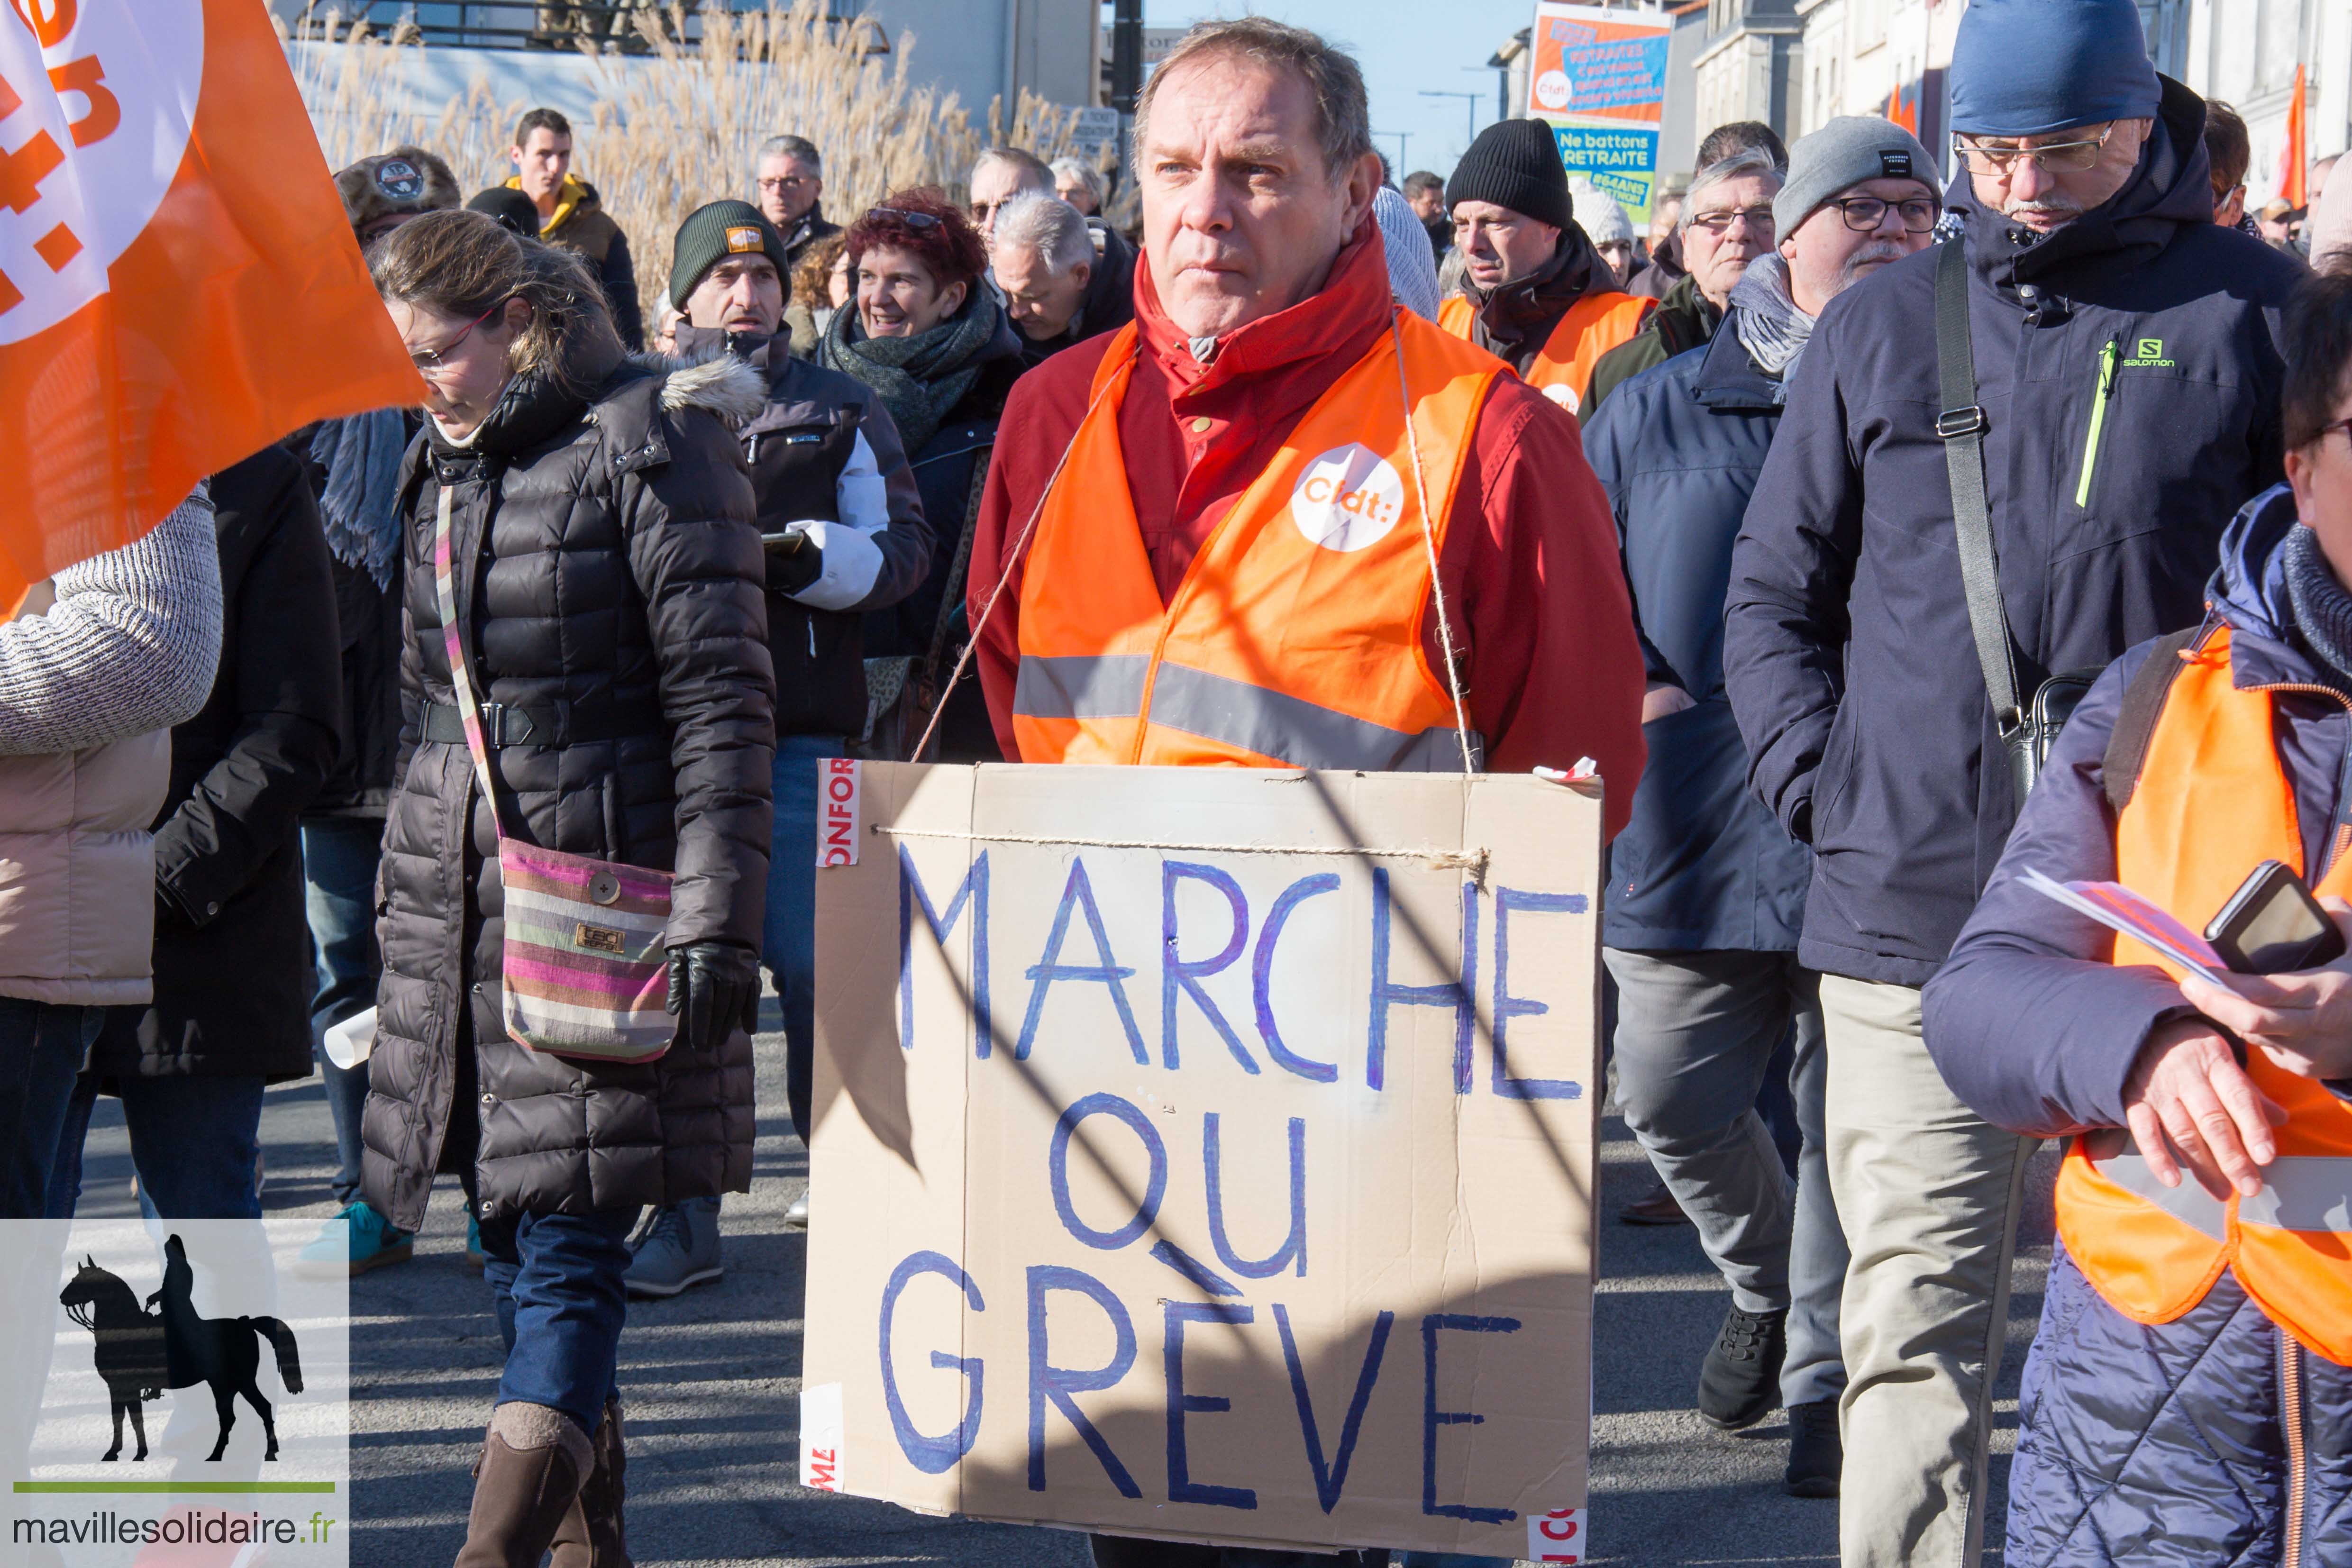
(1598, 76)
(1208, 1154)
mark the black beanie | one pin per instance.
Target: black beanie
(711, 234)
(509, 206)
(1515, 163)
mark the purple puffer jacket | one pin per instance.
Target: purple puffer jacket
(2165, 1446)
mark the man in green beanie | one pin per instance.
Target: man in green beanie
(844, 526)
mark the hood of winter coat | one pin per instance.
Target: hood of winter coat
(2249, 592)
(2172, 185)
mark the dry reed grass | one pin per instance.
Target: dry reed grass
(679, 127)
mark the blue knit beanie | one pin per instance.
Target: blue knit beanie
(2026, 68)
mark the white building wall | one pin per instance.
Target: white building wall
(2244, 52)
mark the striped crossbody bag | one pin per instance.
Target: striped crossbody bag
(584, 971)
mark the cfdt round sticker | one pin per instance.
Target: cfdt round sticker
(1348, 499)
(97, 97)
(1553, 89)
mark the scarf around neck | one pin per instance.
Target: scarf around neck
(2323, 609)
(918, 379)
(359, 507)
(1771, 329)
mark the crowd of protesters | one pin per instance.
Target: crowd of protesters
(1798, 512)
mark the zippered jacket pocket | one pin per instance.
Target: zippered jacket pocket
(2100, 397)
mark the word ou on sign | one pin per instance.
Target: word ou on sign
(97, 97)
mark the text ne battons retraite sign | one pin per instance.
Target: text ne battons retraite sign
(1208, 1154)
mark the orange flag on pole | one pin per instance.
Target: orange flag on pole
(178, 285)
(2295, 157)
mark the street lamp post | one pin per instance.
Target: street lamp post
(1470, 102)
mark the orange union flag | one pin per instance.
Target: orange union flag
(178, 287)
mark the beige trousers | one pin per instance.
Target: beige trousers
(1929, 1195)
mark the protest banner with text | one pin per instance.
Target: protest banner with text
(1208, 1155)
(1599, 77)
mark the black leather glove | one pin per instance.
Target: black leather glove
(794, 561)
(714, 990)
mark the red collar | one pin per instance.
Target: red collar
(1337, 323)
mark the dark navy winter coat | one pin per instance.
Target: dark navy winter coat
(1702, 864)
(2129, 368)
(2140, 1447)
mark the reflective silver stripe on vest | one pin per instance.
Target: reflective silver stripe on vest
(2303, 1192)
(1294, 731)
(1108, 686)
(1233, 712)
(2188, 1203)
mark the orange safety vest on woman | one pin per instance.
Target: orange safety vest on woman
(1563, 367)
(2211, 804)
(1295, 638)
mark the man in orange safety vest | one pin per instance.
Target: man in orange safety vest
(1536, 293)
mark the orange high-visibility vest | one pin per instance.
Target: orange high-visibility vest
(1295, 638)
(1563, 367)
(2211, 803)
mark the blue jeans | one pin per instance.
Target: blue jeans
(339, 855)
(561, 1305)
(194, 1141)
(42, 1048)
(788, 931)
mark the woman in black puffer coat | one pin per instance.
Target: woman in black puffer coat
(610, 589)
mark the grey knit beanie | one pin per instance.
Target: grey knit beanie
(1842, 154)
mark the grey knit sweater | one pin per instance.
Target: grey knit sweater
(129, 646)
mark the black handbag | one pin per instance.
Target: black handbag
(2028, 730)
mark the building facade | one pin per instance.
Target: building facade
(1892, 56)
(1748, 64)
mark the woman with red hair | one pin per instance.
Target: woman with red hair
(927, 333)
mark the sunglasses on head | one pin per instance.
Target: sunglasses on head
(916, 221)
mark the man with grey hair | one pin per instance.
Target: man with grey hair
(1726, 223)
(1080, 183)
(1061, 277)
(1263, 334)
(788, 175)
(1700, 933)
(998, 175)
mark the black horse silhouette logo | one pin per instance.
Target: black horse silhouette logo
(142, 1353)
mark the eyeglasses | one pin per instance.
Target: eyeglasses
(2324, 431)
(431, 361)
(919, 222)
(1864, 214)
(1720, 223)
(2052, 157)
(786, 182)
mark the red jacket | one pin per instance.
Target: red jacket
(1530, 567)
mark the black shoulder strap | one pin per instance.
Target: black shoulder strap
(2136, 722)
(1961, 424)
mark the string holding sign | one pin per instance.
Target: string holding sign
(1473, 861)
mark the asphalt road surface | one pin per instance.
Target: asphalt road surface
(711, 1381)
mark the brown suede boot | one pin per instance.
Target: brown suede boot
(593, 1534)
(533, 1463)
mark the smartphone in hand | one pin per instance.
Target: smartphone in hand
(2271, 925)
